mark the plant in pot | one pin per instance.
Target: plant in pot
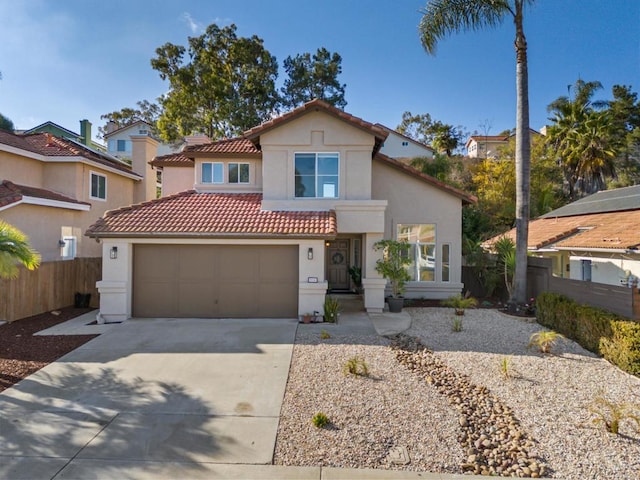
(392, 266)
(356, 277)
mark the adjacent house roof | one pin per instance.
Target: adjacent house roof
(607, 220)
(318, 105)
(137, 122)
(51, 146)
(407, 169)
(172, 160)
(239, 145)
(189, 214)
(619, 199)
(12, 194)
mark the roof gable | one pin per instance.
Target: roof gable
(126, 127)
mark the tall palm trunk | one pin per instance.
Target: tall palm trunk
(523, 156)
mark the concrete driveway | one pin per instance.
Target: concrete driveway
(157, 397)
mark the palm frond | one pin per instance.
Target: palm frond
(15, 249)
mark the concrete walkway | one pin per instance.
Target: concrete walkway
(166, 398)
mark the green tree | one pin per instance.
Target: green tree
(624, 112)
(444, 17)
(583, 140)
(146, 111)
(313, 76)
(6, 124)
(220, 85)
(15, 249)
(442, 137)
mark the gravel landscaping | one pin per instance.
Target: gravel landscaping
(408, 406)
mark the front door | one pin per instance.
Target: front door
(338, 265)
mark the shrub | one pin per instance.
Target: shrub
(331, 309)
(320, 420)
(456, 324)
(611, 414)
(604, 333)
(545, 340)
(356, 366)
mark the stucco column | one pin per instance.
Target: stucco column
(372, 282)
(143, 150)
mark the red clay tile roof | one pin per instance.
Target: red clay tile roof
(189, 214)
(52, 146)
(172, 160)
(613, 230)
(315, 105)
(226, 146)
(13, 193)
(409, 170)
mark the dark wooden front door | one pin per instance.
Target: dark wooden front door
(338, 265)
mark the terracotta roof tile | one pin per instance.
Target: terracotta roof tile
(172, 160)
(190, 213)
(13, 193)
(229, 145)
(614, 230)
(51, 146)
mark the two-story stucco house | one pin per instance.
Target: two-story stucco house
(53, 189)
(120, 143)
(267, 223)
(402, 147)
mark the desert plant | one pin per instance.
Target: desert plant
(506, 251)
(331, 309)
(611, 414)
(324, 335)
(356, 366)
(505, 367)
(392, 265)
(320, 420)
(545, 340)
(460, 303)
(456, 324)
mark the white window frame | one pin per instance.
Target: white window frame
(70, 247)
(443, 263)
(415, 266)
(213, 164)
(239, 164)
(337, 192)
(91, 196)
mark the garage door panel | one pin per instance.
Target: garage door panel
(215, 281)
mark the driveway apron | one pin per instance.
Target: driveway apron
(149, 395)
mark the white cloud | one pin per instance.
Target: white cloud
(193, 25)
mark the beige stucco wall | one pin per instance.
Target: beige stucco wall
(21, 170)
(316, 132)
(177, 179)
(65, 178)
(412, 201)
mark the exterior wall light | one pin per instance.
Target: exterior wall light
(61, 243)
(310, 253)
(113, 253)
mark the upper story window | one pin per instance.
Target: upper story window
(98, 188)
(213, 172)
(405, 144)
(238, 173)
(316, 175)
(422, 242)
(119, 146)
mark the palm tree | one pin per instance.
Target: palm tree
(443, 17)
(14, 248)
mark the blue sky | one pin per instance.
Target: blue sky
(65, 60)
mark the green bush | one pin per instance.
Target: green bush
(604, 333)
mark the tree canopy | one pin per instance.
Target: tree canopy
(421, 127)
(220, 85)
(6, 124)
(313, 76)
(14, 250)
(146, 111)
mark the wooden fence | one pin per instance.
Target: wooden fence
(53, 285)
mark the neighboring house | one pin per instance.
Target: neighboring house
(53, 189)
(403, 148)
(120, 144)
(487, 146)
(596, 238)
(84, 137)
(268, 222)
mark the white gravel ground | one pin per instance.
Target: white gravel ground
(549, 394)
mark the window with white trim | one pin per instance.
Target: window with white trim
(422, 242)
(213, 172)
(445, 269)
(69, 248)
(317, 175)
(98, 188)
(238, 173)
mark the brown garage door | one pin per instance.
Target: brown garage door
(215, 281)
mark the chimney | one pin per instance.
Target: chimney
(111, 126)
(85, 132)
(143, 149)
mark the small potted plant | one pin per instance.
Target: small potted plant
(392, 266)
(307, 317)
